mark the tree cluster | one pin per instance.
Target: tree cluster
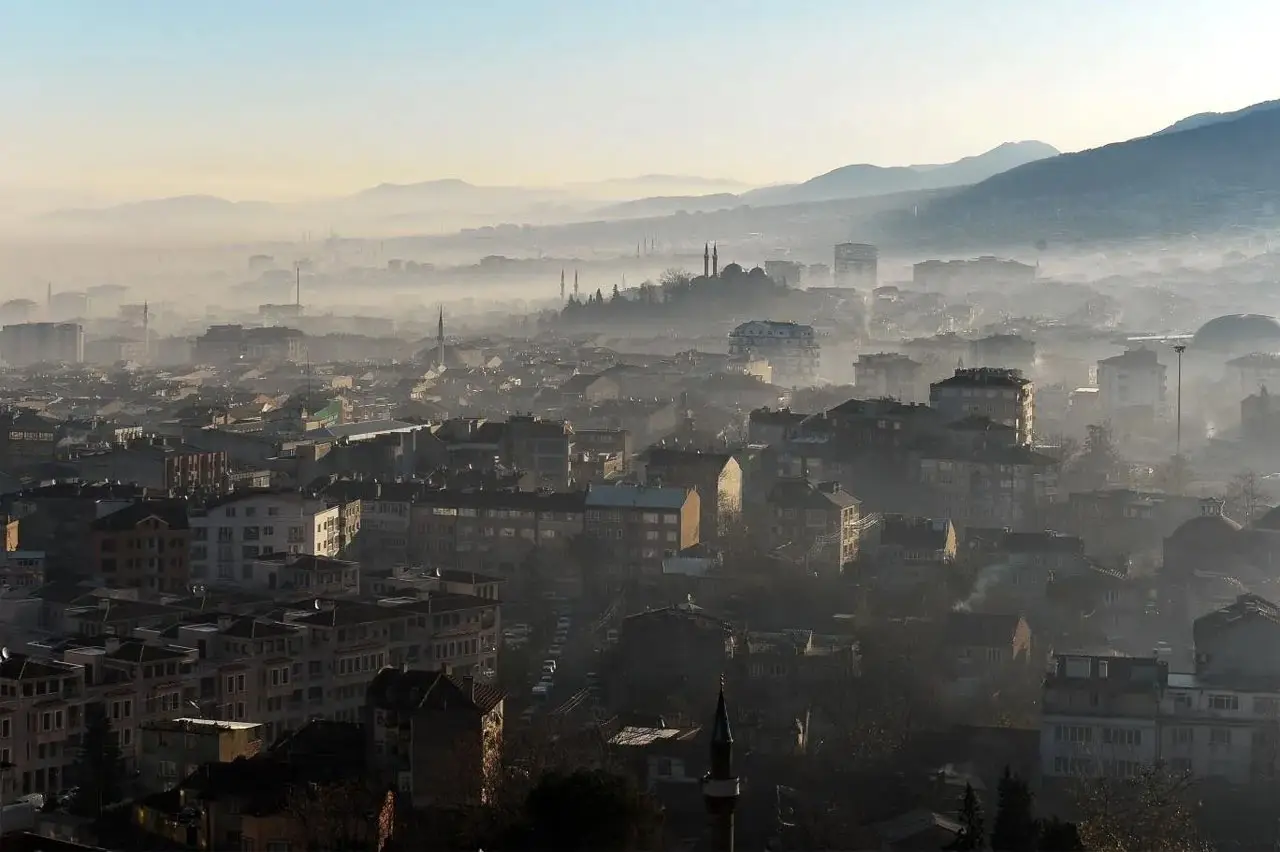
(1016, 828)
(677, 294)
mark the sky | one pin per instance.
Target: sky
(292, 99)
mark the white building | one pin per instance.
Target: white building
(233, 532)
(791, 349)
(1132, 380)
(28, 343)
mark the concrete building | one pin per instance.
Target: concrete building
(544, 448)
(791, 349)
(983, 271)
(434, 738)
(172, 749)
(890, 375)
(146, 545)
(157, 464)
(229, 344)
(716, 476)
(235, 530)
(817, 524)
(1132, 382)
(788, 272)
(29, 343)
(1001, 395)
(856, 266)
(639, 525)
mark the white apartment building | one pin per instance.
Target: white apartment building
(233, 532)
(1107, 716)
(791, 349)
(1134, 380)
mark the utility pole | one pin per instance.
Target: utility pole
(1179, 348)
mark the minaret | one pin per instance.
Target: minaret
(706, 260)
(720, 786)
(146, 332)
(575, 284)
(440, 336)
(297, 286)
(562, 286)
(715, 261)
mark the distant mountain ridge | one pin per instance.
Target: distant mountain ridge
(1199, 174)
(846, 182)
(1203, 119)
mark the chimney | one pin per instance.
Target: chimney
(469, 686)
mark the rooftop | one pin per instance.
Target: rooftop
(636, 497)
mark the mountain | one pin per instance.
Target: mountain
(1203, 119)
(858, 181)
(666, 205)
(1224, 172)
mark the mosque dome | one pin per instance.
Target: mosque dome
(1239, 333)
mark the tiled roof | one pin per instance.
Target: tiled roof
(409, 690)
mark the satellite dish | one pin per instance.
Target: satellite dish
(4, 654)
(318, 603)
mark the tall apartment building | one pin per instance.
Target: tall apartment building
(435, 738)
(716, 476)
(146, 545)
(819, 523)
(791, 349)
(230, 533)
(227, 344)
(640, 525)
(890, 375)
(1110, 715)
(1133, 380)
(41, 720)
(543, 448)
(30, 343)
(1003, 396)
(857, 266)
(495, 531)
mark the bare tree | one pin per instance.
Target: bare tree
(1152, 809)
(341, 817)
(1245, 496)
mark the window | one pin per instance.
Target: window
(1073, 734)
(1122, 736)
(1219, 737)
(1266, 706)
(1224, 702)
(1183, 736)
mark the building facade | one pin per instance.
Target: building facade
(791, 349)
(30, 343)
(1002, 395)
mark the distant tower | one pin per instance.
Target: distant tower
(706, 260)
(637, 249)
(562, 286)
(715, 261)
(297, 286)
(440, 337)
(48, 298)
(146, 331)
(575, 284)
(720, 787)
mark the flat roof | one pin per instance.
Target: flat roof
(216, 723)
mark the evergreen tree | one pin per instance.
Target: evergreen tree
(971, 829)
(616, 295)
(599, 297)
(99, 769)
(1014, 829)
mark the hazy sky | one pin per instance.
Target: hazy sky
(295, 98)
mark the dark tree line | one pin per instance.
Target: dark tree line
(1015, 828)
